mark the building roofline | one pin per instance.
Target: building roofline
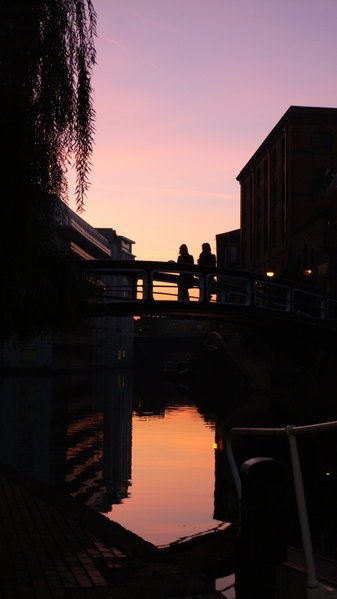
(228, 232)
(293, 111)
(106, 231)
(125, 238)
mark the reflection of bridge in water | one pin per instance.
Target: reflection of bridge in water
(151, 288)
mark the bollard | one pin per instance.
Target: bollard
(264, 525)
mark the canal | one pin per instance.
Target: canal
(147, 453)
(145, 458)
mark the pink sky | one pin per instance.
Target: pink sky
(185, 91)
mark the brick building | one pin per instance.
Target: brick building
(288, 199)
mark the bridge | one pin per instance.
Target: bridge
(136, 288)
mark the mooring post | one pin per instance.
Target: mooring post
(264, 519)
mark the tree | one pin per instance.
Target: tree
(47, 120)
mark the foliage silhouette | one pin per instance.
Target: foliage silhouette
(47, 120)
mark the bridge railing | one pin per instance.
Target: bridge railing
(232, 290)
(165, 284)
(306, 303)
(314, 588)
(272, 296)
(120, 285)
(125, 281)
(331, 309)
(203, 287)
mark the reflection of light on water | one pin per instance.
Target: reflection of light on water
(172, 492)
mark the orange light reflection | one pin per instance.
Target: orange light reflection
(172, 477)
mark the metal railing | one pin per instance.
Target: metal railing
(315, 590)
(140, 281)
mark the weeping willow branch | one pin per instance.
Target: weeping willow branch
(46, 57)
(47, 122)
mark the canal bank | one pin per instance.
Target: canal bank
(53, 547)
(71, 440)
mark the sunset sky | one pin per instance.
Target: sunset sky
(185, 91)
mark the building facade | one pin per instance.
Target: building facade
(288, 214)
(228, 249)
(106, 341)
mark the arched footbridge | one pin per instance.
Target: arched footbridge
(139, 288)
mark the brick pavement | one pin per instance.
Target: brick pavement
(52, 547)
(44, 553)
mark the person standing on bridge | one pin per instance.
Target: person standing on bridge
(185, 280)
(206, 258)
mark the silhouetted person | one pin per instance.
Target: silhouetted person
(185, 280)
(206, 258)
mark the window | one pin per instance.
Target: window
(125, 245)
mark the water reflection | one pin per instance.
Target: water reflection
(144, 455)
(144, 458)
(72, 432)
(172, 476)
